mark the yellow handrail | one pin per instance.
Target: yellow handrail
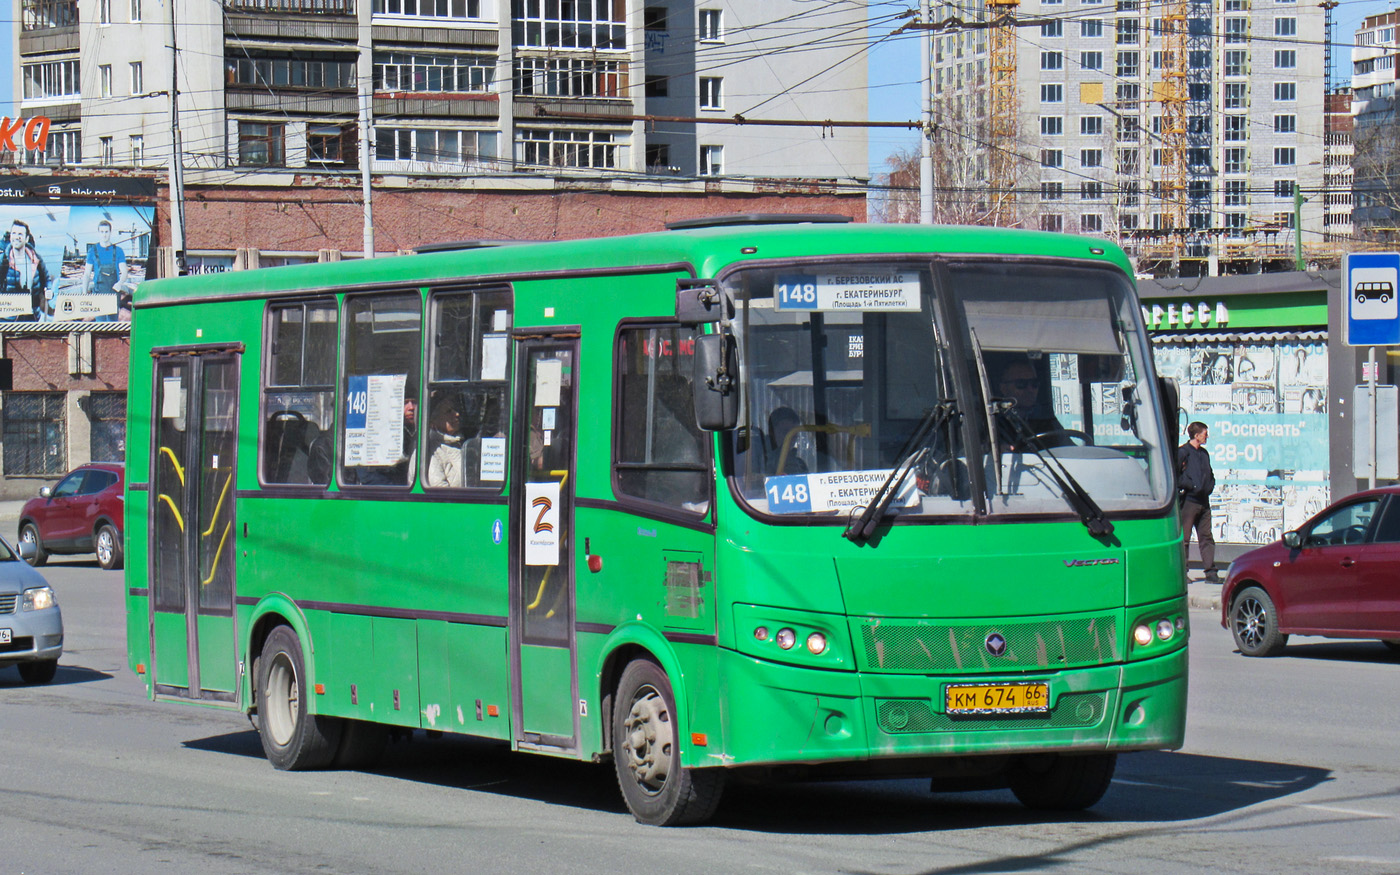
(174, 460)
(214, 520)
(173, 509)
(214, 566)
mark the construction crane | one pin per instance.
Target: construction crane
(1002, 169)
(1172, 94)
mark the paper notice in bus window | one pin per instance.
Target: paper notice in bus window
(172, 399)
(494, 352)
(832, 491)
(374, 419)
(848, 290)
(542, 523)
(549, 377)
(493, 460)
(500, 320)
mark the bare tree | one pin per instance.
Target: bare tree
(1376, 180)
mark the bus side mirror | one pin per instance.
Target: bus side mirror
(700, 302)
(716, 382)
(1170, 395)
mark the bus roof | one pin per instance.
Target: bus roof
(708, 250)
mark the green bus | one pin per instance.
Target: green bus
(769, 497)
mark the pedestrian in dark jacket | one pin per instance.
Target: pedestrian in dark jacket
(1195, 483)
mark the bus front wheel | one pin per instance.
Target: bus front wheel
(646, 753)
(1056, 782)
(292, 738)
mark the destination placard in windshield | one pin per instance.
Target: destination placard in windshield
(848, 290)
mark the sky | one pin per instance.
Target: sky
(894, 71)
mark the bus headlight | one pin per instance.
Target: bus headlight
(816, 643)
(1142, 634)
(786, 638)
(1165, 629)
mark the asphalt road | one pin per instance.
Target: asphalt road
(1291, 765)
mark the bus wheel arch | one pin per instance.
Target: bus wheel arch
(646, 731)
(1061, 782)
(293, 738)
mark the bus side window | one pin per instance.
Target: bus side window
(466, 426)
(382, 420)
(299, 393)
(659, 454)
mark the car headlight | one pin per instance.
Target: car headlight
(38, 599)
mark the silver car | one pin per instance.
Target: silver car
(31, 625)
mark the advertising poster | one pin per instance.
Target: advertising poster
(1265, 402)
(72, 263)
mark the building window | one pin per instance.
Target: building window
(1235, 93)
(1128, 65)
(1128, 163)
(1051, 125)
(1127, 129)
(330, 144)
(660, 455)
(1090, 191)
(1055, 27)
(1091, 60)
(432, 147)
(1091, 223)
(135, 11)
(1127, 92)
(654, 18)
(1285, 59)
(1052, 222)
(1091, 124)
(1052, 61)
(35, 440)
(1283, 188)
(563, 148)
(63, 147)
(107, 426)
(711, 25)
(138, 150)
(1235, 127)
(464, 9)
(1198, 189)
(51, 79)
(1234, 221)
(711, 160)
(1052, 191)
(402, 71)
(104, 11)
(262, 144)
(657, 86)
(1198, 157)
(1236, 63)
(1052, 93)
(1285, 124)
(710, 97)
(1285, 27)
(1286, 91)
(568, 25)
(1091, 27)
(42, 14)
(1234, 161)
(1285, 156)
(1126, 30)
(1235, 193)
(138, 80)
(658, 157)
(108, 152)
(104, 80)
(569, 77)
(1091, 157)
(1236, 30)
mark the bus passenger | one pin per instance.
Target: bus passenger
(445, 441)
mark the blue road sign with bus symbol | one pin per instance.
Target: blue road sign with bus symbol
(1373, 314)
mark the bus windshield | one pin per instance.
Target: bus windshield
(1021, 384)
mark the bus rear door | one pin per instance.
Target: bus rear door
(195, 427)
(543, 656)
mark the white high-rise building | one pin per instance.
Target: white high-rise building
(1091, 151)
(1373, 104)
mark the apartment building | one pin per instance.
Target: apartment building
(638, 97)
(1376, 212)
(1090, 140)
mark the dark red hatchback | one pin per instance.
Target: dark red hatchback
(82, 514)
(1335, 576)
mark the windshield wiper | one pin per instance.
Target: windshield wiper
(863, 526)
(1090, 514)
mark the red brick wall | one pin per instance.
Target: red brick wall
(41, 364)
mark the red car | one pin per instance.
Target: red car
(1335, 576)
(82, 514)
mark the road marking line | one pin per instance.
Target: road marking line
(1352, 811)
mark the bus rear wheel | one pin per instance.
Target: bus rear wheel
(292, 738)
(1057, 782)
(646, 753)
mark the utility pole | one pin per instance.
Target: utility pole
(1298, 199)
(177, 148)
(364, 78)
(926, 158)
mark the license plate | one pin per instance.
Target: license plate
(5, 636)
(996, 698)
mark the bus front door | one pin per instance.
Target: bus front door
(543, 669)
(195, 416)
